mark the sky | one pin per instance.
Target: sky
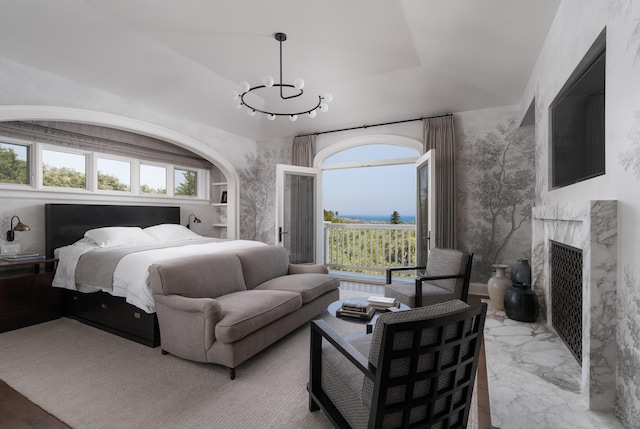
(374, 191)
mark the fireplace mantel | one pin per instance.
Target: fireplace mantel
(592, 227)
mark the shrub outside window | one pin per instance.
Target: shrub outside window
(63, 169)
(14, 163)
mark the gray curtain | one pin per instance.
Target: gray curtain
(439, 134)
(304, 149)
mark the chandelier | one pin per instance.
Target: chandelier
(268, 82)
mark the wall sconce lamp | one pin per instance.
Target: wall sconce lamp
(195, 220)
(19, 227)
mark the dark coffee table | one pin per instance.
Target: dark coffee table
(336, 305)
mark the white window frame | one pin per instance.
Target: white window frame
(132, 162)
(91, 171)
(31, 160)
(88, 168)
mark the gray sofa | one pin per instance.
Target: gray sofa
(224, 308)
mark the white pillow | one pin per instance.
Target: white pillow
(167, 232)
(118, 235)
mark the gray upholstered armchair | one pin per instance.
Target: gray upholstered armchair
(446, 277)
(417, 369)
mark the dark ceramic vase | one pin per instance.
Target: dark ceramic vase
(521, 303)
(521, 272)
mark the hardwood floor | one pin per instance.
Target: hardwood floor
(17, 412)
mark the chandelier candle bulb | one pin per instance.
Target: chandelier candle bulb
(268, 81)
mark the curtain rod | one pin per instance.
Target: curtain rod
(374, 125)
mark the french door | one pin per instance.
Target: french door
(298, 213)
(425, 207)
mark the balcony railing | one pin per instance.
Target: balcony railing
(369, 248)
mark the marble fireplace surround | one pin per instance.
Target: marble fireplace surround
(592, 227)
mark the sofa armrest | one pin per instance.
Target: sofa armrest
(187, 325)
(206, 306)
(308, 269)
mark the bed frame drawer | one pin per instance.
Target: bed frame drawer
(112, 314)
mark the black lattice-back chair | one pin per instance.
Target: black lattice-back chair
(445, 277)
(417, 370)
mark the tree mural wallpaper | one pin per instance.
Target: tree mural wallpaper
(628, 362)
(631, 158)
(496, 194)
(258, 194)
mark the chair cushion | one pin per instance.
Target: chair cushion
(309, 286)
(406, 293)
(443, 262)
(342, 382)
(263, 263)
(247, 311)
(403, 340)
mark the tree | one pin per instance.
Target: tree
(63, 177)
(146, 189)
(501, 193)
(107, 182)
(188, 187)
(12, 169)
(395, 218)
(331, 216)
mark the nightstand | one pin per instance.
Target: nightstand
(26, 295)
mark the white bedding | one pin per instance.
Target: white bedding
(130, 278)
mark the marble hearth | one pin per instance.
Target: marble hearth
(592, 227)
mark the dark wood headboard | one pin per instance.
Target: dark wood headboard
(66, 223)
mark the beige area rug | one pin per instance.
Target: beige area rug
(91, 379)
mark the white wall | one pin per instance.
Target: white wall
(576, 26)
(27, 93)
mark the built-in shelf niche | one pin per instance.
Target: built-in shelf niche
(219, 203)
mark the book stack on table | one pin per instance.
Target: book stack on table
(383, 303)
(356, 309)
(21, 257)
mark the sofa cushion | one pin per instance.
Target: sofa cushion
(201, 276)
(247, 311)
(406, 293)
(309, 286)
(263, 263)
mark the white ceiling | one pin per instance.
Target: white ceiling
(383, 60)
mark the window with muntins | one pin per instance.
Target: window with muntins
(64, 169)
(153, 179)
(14, 163)
(186, 182)
(49, 168)
(114, 175)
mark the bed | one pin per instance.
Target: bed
(104, 252)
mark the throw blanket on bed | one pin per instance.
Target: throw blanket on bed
(96, 268)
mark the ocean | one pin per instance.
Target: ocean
(376, 219)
